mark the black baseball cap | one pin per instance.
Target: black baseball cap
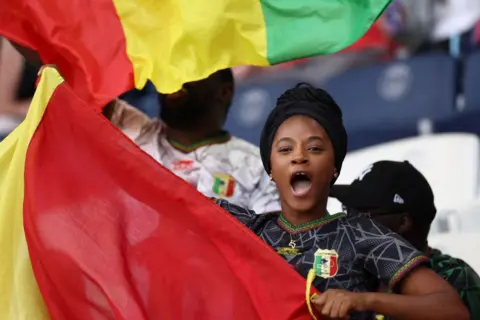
(389, 187)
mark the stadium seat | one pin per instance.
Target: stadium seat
(465, 121)
(450, 162)
(472, 81)
(251, 107)
(362, 138)
(393, 97)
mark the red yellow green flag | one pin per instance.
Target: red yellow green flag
(105, 47)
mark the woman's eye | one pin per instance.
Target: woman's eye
(284, 149)
(315, 148)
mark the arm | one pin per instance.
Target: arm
(424, 295)
(130, 120)
(11, 67)
(388, 257)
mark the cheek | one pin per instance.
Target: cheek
(273, 164)
(325, 165)
(278, 165)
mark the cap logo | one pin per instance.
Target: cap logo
(398, 199)
(364, 173)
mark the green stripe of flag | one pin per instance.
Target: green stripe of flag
(303, 28)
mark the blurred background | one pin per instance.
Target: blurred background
(409, 90)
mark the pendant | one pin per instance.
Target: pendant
(288, 251)
(292, 244)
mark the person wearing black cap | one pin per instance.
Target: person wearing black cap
(302, 146)
(397, 195)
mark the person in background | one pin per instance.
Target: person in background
(188, 139)
(303, 145)
(397, 195)
(17, 86)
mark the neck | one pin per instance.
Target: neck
(297, 218)
(190, 137)
(420, 243)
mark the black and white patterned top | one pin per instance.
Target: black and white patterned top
(368, 253)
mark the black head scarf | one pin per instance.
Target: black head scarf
(309, 101)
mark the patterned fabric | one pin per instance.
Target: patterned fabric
(367, 252)
(461, 276)
(226, 167)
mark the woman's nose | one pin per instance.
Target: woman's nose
(299, 158)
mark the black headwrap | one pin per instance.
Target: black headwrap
(315, 103)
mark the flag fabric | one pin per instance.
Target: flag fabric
(113, 235)
(106, 47)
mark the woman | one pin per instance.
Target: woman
(303, 145)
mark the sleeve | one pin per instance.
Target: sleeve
(245, 216)
(131, 121)
(385, 254)
(471, 298)
(264, 197)
(467, 283)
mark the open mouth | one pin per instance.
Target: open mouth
(301, 183)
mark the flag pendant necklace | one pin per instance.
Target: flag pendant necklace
(291, 250)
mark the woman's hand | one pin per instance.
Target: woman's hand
(338, 304)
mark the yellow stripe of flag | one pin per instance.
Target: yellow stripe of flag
(20, 298)
(171, 41)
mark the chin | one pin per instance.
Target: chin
(302, 205)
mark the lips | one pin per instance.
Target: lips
(301, 183)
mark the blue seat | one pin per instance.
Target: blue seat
(467, 121)
(472, 82)
(358, 139)
(145, 99)
(391, 98)
(251, 106)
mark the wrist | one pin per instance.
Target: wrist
(366, 302)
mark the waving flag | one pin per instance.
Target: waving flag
(105, 47)
(113, 235)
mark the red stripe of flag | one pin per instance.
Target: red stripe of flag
(97, 71)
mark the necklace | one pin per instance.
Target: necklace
(291, 250)
(292, 244)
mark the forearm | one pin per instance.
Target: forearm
(16, 109)
(436, 306)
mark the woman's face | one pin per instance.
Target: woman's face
(302, 163)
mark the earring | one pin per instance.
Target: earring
(335, 175)
(271, 178)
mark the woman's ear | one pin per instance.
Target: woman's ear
(335, 174)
